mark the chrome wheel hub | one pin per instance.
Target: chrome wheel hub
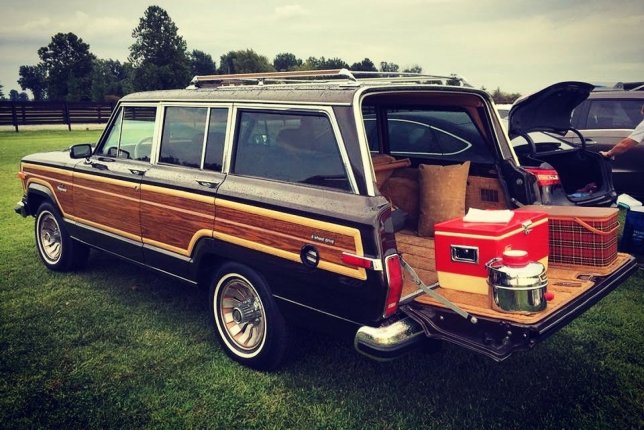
(242, 315)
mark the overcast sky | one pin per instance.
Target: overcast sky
(517, 45)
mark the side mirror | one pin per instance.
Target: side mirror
(82, 150)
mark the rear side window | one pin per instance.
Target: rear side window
(291, 147)
(616, 114)
(130, 135)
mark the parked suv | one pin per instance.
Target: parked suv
(605, 118)
(269, 190)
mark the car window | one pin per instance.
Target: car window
(130, 135)
(215, 140)
(449, 134)
(616, 114)
(182, 140)
(291, 147)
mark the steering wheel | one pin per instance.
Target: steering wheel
(139, 151)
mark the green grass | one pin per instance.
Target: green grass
(115, 346)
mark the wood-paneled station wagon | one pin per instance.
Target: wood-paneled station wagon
(327, 199)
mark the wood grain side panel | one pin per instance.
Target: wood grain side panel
(174, 220)
(114, 210)
(269, 224)
(58, 181)
(187, 201)
(284, 235)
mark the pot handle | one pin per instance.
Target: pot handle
(490, 263)
(595, 230)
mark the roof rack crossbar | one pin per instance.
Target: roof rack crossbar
(259, 77)
(308, 76)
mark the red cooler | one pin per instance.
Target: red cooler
(463, 248)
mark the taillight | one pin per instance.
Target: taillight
(393, 271)
(357, 261)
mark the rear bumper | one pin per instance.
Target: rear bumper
(389, 341)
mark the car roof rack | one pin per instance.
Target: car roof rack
(318, 76)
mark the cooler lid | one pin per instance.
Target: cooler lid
(564, 212)
(457, 225)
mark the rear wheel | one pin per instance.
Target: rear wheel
(246, 320)
(57, 250)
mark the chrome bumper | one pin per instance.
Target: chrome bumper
(390, 341)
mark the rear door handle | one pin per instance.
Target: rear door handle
(139, 172)
(208, 184)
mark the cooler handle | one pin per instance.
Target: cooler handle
(594, 230)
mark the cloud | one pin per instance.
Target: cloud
(518, 45)
(290, 11)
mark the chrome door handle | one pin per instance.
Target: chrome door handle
(208, 184)
(139, 172)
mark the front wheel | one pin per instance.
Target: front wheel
(246, 320)
(57, 250)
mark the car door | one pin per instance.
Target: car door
(178, 192)
(107, 185)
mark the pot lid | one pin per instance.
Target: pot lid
(548, 109)
(515, 258)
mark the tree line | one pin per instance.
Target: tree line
(158, 59)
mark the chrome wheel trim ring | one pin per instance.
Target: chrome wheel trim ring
(50, 241)
(240, 315)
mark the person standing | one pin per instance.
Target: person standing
(627, 143)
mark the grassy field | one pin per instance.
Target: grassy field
(118, 347)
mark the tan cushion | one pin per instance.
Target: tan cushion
(402, 192)
(442, 194)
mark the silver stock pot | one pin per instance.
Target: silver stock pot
(517, 285)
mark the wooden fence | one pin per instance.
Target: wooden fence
(39, 113)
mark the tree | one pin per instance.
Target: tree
(365, 65)
(247, 61)
(2, 96)
(413, 69)
(67, 64)
(389, 67)
(333, 63)
(15, 96)
(501, 97)
(158, 54)
(286, 61)
(201, 63)
(34, 78)
(313, 63)
(111, 80)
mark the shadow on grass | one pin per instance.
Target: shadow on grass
(565, 382)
